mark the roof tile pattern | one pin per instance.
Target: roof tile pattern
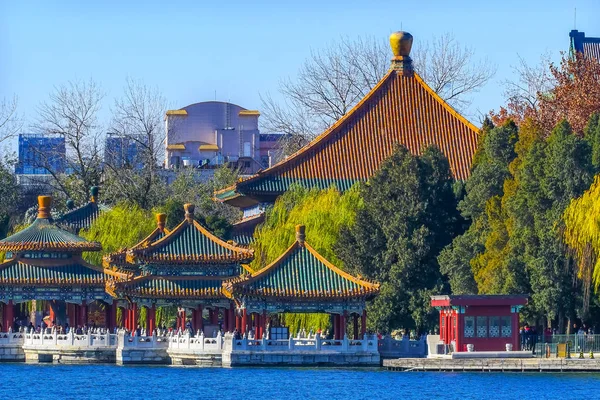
(302, 272)
(191, 242)
(401, 109)
(82, 217)
(19, 273)
(172, 288)
(42, 234)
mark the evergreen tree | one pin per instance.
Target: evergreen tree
(409, 215)
(485, 186)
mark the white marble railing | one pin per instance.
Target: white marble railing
(11, 338)
(60, 340)
(143, 342)
(196, 343)
(366, 345)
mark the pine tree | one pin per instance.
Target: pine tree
(409, 215)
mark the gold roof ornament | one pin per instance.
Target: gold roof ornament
(401, 43)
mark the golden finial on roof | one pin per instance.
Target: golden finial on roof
(161, 218)
(44, 205)
(300, 234)
(401, 43)
(189, 211)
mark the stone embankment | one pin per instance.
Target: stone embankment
(495, 364)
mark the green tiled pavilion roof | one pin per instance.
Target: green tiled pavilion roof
(302, 272)
(188, 243)
(82, 217)
(45, 235)
(162, 287)
(18, 272)
(119, 258)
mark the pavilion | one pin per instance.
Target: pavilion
(185, 267)
(44, 263)
(301, 281)
(400, 109)
(488, 322)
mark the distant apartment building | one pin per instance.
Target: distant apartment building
(209, 134)
(39, 156)
(124, 151)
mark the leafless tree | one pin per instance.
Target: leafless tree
(71, 111)
(331, 81)
(138, 122)
(451, 70)
(10, 121)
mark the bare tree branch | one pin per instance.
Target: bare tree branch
(10, 122)
(333, 80)
(450, 69)
(72, 112)
(138, 118)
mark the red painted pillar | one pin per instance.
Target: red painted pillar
(83, 315)
(134, 317)
(238, 322)
(183, 320)
(515, 330)
(232, 318)
(9, 313)
(355, 325)
(113, 316)
(244, 321)
(152, 320)
(363, 324)
(459, 330)
(257, 324)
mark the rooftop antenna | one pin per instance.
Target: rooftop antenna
(215, 94)
(575, 19)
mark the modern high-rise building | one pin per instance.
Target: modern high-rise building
(40, 155)
(124, 151)
(212, 133)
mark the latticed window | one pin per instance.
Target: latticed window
(482, 328)
(469, 327)
(494, 327)
(506, 326)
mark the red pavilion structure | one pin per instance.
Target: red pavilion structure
(488, 322)
(44, 263)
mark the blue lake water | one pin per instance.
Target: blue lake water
(18, 381)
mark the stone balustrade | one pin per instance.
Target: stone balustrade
(368, 344)
(11, 338)
(56, 340)
(196, 343)
(143, 342)
(403, 348)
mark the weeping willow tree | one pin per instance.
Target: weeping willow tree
(582, 235)
(123, 226)
(324, 213)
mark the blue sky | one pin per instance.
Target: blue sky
(189, 49)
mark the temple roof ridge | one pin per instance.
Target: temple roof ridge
(191, 242)
(400, 109)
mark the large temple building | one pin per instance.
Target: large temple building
(400, 110)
